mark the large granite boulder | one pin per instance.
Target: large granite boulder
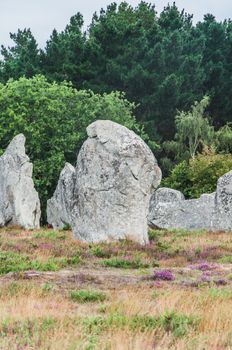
(115, 175)
(19, 201)
(59, 207)
(222, 218)
(168, 209)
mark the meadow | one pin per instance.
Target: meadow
(57, 293)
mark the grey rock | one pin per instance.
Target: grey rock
(165, 195)
(115, 176)
(59, 207)
(19, 201)
(169, 209)
(222, 219)
(162, 199)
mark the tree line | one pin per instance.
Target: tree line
(163, 63)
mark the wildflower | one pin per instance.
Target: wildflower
(220, 282)
(164, 275)
(158, 284)
(205, 278)
(204, 266)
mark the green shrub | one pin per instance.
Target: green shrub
(179, 179)
(87, 296)
(178, 324)
(125, 263)
(100, 252)
(200, 175)
(14, 262)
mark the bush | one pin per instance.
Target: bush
(179, 179)
(200, 175)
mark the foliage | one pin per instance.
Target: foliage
(162, 62)
(224, 139)
(125, 263)
(87, 296)
(22, 59)
(14, 262)
(193, 129)
(179, 179)
(200, 175)
(100, 252)
(205, 171)
(54, 117)
(177, 324)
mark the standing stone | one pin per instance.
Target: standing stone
(115, 176)
(59, 206)
(222, 219)
(160, 202)
(19, 201)
(169, 210)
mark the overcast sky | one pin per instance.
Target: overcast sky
(42, 16)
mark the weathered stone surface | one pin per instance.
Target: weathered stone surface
(19, 201)
(222, 219)
(165, 195)
(169, 209)
(59, 207)
(115, 175)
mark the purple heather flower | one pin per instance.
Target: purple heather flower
(45, 246)
(220, 282)
(205, 277)
(204, 266)
(164, 275)
(158, 284)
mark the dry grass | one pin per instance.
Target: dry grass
(68, 330)
(37, 313)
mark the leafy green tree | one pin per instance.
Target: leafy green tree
(54, 117)
(224, 139)
(155, 60)
(162, 62)
(62, 58)
(217, 67)
(193, 129)
(22, 59)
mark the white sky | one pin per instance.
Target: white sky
(42, 16)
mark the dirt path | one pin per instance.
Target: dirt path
(110, 278)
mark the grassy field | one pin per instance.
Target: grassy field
(57, 293)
